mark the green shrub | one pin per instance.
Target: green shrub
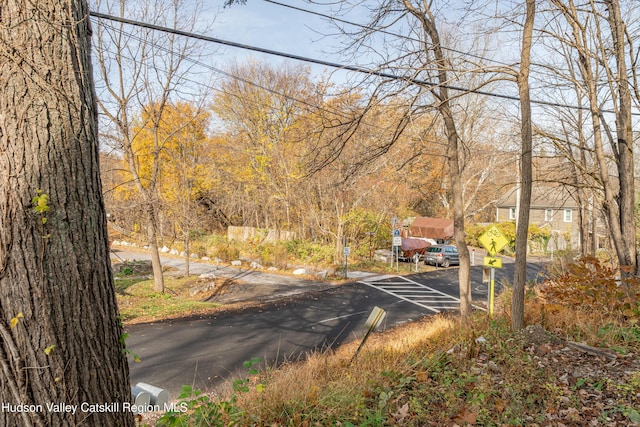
(313, 253)
(472, 232)
(275, 254)
(195, 409)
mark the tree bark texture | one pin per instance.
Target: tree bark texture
(453, 159)
(526, 175)
(627, 247)
(60, 335)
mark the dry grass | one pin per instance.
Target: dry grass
(438, 371)
(326, 380)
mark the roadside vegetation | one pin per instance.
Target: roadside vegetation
(574, 364)
(138, 302)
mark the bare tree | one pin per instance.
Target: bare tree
(61, 340)
(141, 70)
(590, 44)
(626, 248)
(441, 93)
(526, 171)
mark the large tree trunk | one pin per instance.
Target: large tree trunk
(453, 158)
(60, 335)
(526, 169)
(626, 248)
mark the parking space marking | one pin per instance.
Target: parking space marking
(414, 292)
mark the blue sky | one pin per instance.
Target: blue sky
(274, 27)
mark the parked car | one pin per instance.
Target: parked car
(442, 255)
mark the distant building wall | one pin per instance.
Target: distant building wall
(562, 223)
(245, 234)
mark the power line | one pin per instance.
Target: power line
(335, 65)
(235, 77)
(298, 57)
(378, 30)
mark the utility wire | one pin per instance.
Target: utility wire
(297, 57)
(335, 65)
(235, 77)
(378, 30)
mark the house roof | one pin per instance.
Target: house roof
(432, 228)
(542, 197)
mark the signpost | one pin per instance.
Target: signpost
(346, 251)
(493, 241)
(396, 240)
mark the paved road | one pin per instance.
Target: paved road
(204, 351)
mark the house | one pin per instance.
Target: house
(552, 207)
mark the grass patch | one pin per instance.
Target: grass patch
(139, 303)
(122, 284)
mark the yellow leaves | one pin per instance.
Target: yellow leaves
(173, 152)
(16, 320)
(41, 205)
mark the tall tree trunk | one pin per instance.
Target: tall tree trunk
(149, 201)
(520, 269)
(627, 247)
(453, 159)
(156, 263)
(60, 335)
(615, 206)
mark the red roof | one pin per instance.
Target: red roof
(432, 228)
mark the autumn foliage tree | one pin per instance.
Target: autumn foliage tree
(140, 71)
(260, 108)
(184, 164)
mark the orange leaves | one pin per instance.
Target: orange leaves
(465, 417)
(588, 284)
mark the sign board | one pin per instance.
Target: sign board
(395, 223)
(486, 274)
(375, 318)
(493, 240)
(493, 262)
(346, 251)
(373, 321)
(397, 241)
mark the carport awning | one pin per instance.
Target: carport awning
(432, 228)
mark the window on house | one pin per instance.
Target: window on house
(512, 213)
(568, 215)
(548, 215)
